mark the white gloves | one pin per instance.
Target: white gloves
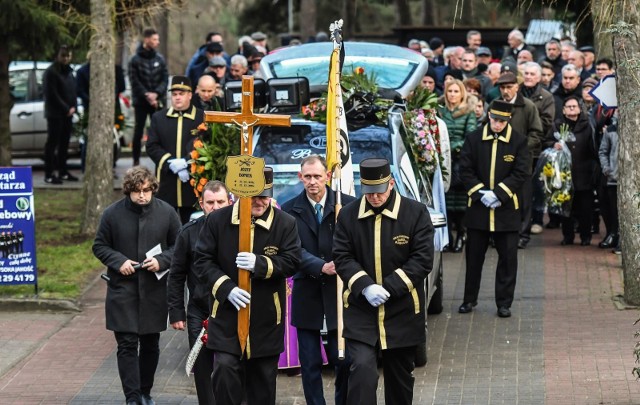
(239, 298)
(376, 295)
(184, 175)
(246, 260)
(176, 165)
(489, 199)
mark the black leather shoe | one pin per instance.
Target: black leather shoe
(552, 225)
(522, 243)
(585, 242)
(610, 241)
(133, 403)
(504, 312)
(457, 248)
(147, 400)
(69, 177)
(467, 307)
(566, 242)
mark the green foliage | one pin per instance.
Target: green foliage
(214, 144)
(31, 28)
(65, 260)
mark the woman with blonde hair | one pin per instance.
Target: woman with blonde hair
(460, 120)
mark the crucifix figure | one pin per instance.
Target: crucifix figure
(246, 120)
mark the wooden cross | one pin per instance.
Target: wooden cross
(246, 120)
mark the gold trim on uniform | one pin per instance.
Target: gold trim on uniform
(218, 284)
(375, 182)
(500, 113)
(355, 277)
(179, 153)
(363, 212)
(506, 189)
(393, 214)
(276, 302)
(269, 267)
(475, 188)
(345, 298)
(214, 310)
(159, 168)
(405, 278)
(492, 175)
(377, 255)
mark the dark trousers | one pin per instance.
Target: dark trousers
(608, 206)
(581, 210)
(137, 367)
(310, 355)
(57, 145)
(612, 200)
(142, 111)
(526, 205)
(506, 271)
(203, 366)
(397, 366)
(259, 385)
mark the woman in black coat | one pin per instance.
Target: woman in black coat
(583, 163)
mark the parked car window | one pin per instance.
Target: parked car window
(39, 84)
(19, 85)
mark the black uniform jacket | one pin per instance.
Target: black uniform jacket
(314, 293)
(500, 164)
(136, 303)
(277, 247)
(170, 137)
(393, 248)
(182, 270)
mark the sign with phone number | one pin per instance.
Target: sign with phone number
(17, 227)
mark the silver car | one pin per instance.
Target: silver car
(398, 70)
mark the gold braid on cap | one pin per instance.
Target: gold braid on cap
(375, 182)
(268, 186)
(501, 113)
(180, 87)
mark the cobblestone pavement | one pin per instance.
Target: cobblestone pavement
(566, 343)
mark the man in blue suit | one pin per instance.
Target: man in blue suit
(314, 285)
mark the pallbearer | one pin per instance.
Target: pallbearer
(383, 251)
(274, 256)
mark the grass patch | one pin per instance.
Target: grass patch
(65, 261)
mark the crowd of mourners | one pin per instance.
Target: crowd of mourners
(546, 92)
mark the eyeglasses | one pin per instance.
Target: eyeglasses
(144, 190)
(571, 107)
(218, 67)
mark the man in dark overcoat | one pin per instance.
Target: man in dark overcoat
(214, 197)
(383, 251)
(314, 284)
(494, 164)
(170, 143)
(136, 304)
(274, 257)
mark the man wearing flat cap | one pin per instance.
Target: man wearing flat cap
(383, 251)
(494, 164)
(170, 144)
(274, 256)
(525, 120)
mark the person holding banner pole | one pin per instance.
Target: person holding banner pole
(314, 285)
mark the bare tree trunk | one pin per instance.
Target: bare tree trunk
(428, 13)
(602, 40)
(98, 179)
(307, 15)
(5, 105)
(403, 13)
(626, 45)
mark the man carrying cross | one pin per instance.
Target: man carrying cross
(274, 256)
